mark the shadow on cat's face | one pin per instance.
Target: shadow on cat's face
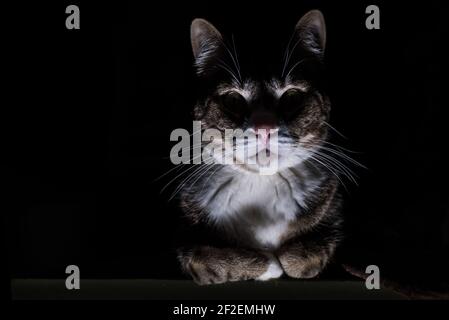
(283, 115)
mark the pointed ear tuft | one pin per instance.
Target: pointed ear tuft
(207, 44)
(311, 30)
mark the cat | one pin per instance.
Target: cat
(288, 222)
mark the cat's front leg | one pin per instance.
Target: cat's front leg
(306, 259)
(210, 265)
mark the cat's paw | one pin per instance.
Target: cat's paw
(208, 265)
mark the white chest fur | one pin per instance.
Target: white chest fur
(257, 209)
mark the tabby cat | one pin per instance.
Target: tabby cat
(287, 222)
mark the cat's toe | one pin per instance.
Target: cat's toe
(204, 274)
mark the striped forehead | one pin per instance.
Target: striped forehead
(278, 88)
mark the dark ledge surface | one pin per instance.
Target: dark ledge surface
(150, 289)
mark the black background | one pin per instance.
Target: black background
(87, 116)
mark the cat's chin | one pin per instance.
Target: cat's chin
(247, 168)
(261, 170)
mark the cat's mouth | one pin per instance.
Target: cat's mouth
(268, 161)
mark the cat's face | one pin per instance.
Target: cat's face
(287, 112)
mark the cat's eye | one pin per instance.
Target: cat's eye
(291, 102)
(234, 103)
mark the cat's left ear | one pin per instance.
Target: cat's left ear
(311, 32)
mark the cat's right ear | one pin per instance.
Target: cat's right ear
(207, 46)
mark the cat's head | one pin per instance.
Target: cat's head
(290, 104)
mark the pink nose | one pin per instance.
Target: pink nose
(263, 122)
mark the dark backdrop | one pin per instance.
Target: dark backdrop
(87, 116)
